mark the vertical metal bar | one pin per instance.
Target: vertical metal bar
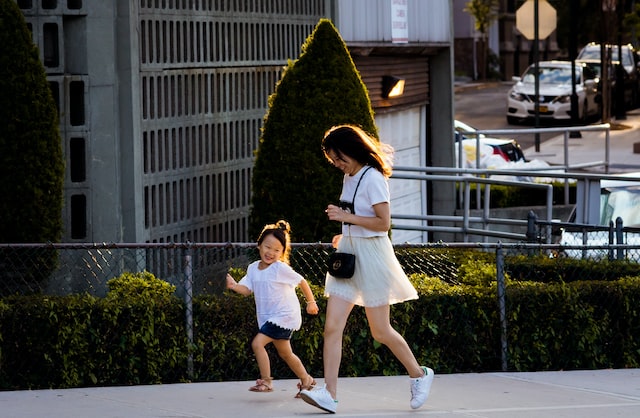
(478, 186)
(467, 210)
(536, 61)
(502, 305)
(607, 151)
(611, 238)
(532, 232)
(619, 237)
(188, 301)
(486, 214)
(566, 149)
(549, 212)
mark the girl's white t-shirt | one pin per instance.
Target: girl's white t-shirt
(373, 189)
(274, 290)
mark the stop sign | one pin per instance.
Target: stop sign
(546, 19)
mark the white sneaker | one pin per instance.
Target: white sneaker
(320, 398)
(420, 388)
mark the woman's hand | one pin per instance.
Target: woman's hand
(380, 222)
(336, 240)
(335, 213)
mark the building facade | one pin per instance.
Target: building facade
(161, 104)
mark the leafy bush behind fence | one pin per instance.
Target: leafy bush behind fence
(71, 329)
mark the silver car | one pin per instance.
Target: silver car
(555, 91)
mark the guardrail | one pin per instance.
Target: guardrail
(465, 220)
(461, 224)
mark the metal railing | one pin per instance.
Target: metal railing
(566, 133)
(462, 223)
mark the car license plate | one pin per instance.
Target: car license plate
(543, 109)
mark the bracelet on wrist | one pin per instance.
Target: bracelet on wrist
(310, 302)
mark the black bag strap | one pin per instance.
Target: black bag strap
(353, 201)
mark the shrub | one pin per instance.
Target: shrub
(291, 179)
(31, 164)
(139, 287)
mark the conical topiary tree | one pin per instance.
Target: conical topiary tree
(31, 164)
(292, 180)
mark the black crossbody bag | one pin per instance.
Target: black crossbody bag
(342, 265)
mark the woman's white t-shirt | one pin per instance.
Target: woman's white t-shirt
(373, 189)
(274, 290)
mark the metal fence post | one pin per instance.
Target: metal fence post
(619, 237)
(502, 303)
(532, 229)
(188, 301)
(611, 239)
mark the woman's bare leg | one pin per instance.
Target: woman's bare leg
(383, 332)
(338, 311)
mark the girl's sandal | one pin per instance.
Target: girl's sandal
(262, 385)
(310, 383)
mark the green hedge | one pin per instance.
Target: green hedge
(81, 340)
(136, 334)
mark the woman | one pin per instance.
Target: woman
(379, 280)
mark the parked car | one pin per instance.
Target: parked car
(591, 54)
(493, 151)
(555, 89)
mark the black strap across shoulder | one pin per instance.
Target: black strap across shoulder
(353, 201)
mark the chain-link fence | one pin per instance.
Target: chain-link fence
(198, 269)
(586, 241)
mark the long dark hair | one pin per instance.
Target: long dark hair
(281, 230)
(354, 142)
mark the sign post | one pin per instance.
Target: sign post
(528, 18)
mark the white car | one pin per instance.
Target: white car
(555, 90)
(494, 152)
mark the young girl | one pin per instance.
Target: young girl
(379, 280)
(273, 283)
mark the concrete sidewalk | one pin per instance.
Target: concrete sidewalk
(585, 394)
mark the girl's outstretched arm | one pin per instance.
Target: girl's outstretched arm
(312, 306)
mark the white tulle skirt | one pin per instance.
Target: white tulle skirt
(378, 279)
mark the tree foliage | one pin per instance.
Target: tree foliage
(292, 180)
(485, 12)
(31, 164)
